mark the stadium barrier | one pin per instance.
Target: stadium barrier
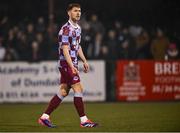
(124, 80)
(148, 80)
(38, 82)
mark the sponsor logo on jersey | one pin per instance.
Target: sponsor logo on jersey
(73, 33)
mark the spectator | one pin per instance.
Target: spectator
(112, 44)
(123, 50)
(40, 26)
(159, 45)
(95, 50)
(10, 55)
(87, 37)
(96, 25)
(4, 25)
(30, 33)
(11, 39)
(52, 41)
(43, 45)
(172, 52)
(142, 45)
(23, 47)
(35, 54)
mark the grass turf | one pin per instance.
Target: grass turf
(112, 117)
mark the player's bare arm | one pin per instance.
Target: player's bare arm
(68, 58)
(83, 58)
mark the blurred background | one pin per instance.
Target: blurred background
(112, 32)
(133, 49)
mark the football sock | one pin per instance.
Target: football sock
(83, 119)
(79, 104)
(54, 103)
(45, 116)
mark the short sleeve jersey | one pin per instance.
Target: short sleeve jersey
(69, 35)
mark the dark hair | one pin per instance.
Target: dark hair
(70, 6)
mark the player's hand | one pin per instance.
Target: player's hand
(74, 70)
(86, 67)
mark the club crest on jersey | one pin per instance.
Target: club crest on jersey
(75, 78)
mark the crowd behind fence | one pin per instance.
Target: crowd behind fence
(36, 40)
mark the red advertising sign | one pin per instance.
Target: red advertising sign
(148, 80)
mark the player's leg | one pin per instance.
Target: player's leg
(57, 99)
(53, 104)
(78, 102)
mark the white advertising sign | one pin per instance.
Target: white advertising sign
(38, 82)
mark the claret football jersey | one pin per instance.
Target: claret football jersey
(69, 35)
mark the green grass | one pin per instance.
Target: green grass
(112, 117)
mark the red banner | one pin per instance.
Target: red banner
(148, 80)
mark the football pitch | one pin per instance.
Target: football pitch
(112, 117)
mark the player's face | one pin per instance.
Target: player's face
(75, 14)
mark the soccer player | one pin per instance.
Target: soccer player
(69, 49)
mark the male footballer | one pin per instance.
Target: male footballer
(69, 49)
